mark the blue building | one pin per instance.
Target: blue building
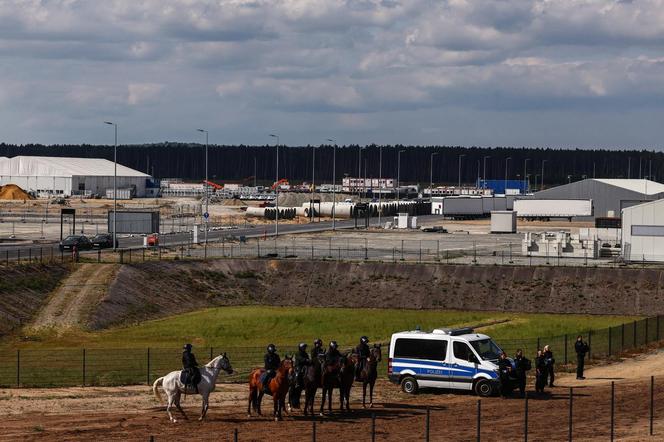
(498, 186)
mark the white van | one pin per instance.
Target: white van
(444, 358)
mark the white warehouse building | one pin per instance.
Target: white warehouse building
(69, 176)
(643, 232)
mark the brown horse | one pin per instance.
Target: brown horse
(369, 373)
(346, 378)
(278, 388)
(312, 381)
(330, 379)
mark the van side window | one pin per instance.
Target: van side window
(461, 350)
(430, 349)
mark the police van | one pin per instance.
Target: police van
(457, 359)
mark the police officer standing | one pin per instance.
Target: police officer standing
(363, 352)
(190, 366)
(540, 372)
(272, 363)
(302, 361)
(550, 365)
(581, 349)
(504, 370)
(521, 366)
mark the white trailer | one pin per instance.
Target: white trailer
(542, 209)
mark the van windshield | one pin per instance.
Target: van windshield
(487, 349)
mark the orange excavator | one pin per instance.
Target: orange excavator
(283, 181)
(215, 186)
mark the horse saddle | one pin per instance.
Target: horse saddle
(191, 376)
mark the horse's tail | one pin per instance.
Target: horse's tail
(155, 390)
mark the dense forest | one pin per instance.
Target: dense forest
(237, 163)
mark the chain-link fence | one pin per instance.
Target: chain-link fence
(122, 366)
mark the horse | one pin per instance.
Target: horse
(174, 388)
(369, 373)
(278, 388)
(346, 378)
(312, 381)
(329, 381)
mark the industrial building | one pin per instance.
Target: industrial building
(63, 176)
(643, 232)
(609, 196)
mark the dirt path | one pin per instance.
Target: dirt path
(132, 413)
(72, 302)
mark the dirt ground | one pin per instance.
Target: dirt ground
(132, 413)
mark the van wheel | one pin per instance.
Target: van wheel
(409, 385)
(484, 388)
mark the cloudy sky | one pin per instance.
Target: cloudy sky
(558, 73)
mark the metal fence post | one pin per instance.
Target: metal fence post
(18, 368)
(148, 371)
(634, 335)
(565, 349)
(645, 339)
(590, 343)
(426, 427)
(622, 336)
(211, 350)
(538, 343)
(235, 435)
(609, 341)
(613, 406)
(652, 403)
(571, 395)
(657, 326)
(313, 430)
(525, 419)
(84, 367)
(373, 427)
(479, 419)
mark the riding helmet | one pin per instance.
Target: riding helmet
(333, 345)
(364, 340)
(302, 346)
(318, 343)
(187, 347)
(271, 348)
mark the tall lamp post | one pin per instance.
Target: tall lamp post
(380, 182)
(312, 208)
(334, 183)
(525, 172)
(206, 187)
(115, 184)
(484, 171)
(542, 177)
(359, 172)
(431, 175)
(460, 157)
(507, 161)
(276, 198)
(399, 174)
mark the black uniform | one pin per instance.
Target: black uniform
(363, 352)
(272, 363)
(521, 366)
(190, 366)
(550, 363)
(332, 356)
(504, 368)
(317, 351)
(541, 374)
(302, 361)
(581, 350)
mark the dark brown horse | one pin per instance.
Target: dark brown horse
(329, 381)
(346, 378)
(312, 382)
(278, 388)
(369, 373)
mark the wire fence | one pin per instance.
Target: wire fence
(125, 366)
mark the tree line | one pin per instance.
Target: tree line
(419, 164)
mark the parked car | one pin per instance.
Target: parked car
(80, 241)
(103, 241)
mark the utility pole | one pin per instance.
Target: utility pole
(525, 172)
(276, 198)
(484, 172)
(460, 157)
(334, 183)
(206, 187)
(507, 161)
(431, 176)
(399, 174)
(115, 184)
(542, 185)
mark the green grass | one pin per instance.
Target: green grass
(255, 326)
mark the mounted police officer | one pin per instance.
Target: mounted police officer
(318, 349)
(302, 361)
(272, 363)
(332, 355)
(363, 352)
(190, 367)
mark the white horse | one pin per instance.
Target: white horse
(174, 388)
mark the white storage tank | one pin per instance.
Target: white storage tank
(503, 221)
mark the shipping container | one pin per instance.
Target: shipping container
(546, 209)
(136, 222)
(503, 221)
(463, 207)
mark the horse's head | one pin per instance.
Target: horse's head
(376, 353)
(222, 362)
(287, 365)
(346, 363)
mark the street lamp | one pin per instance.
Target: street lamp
(334, 180)
(115, 183)
(431, 176)
(206, 187)
(542, 185)
(484, 172)
(460, 157)
(525, 172)
(380, 182)
(507, 161)
(276, 198)
(313, 184)
(359, 173)
(399, 174)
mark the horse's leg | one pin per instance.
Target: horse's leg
(171, 399)
(251, 400)
(177, 405)
(371, 387)
(259, 400)
(322, 400)
(275, 401)
(364, 394)
(329, 399)
(204, 407)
